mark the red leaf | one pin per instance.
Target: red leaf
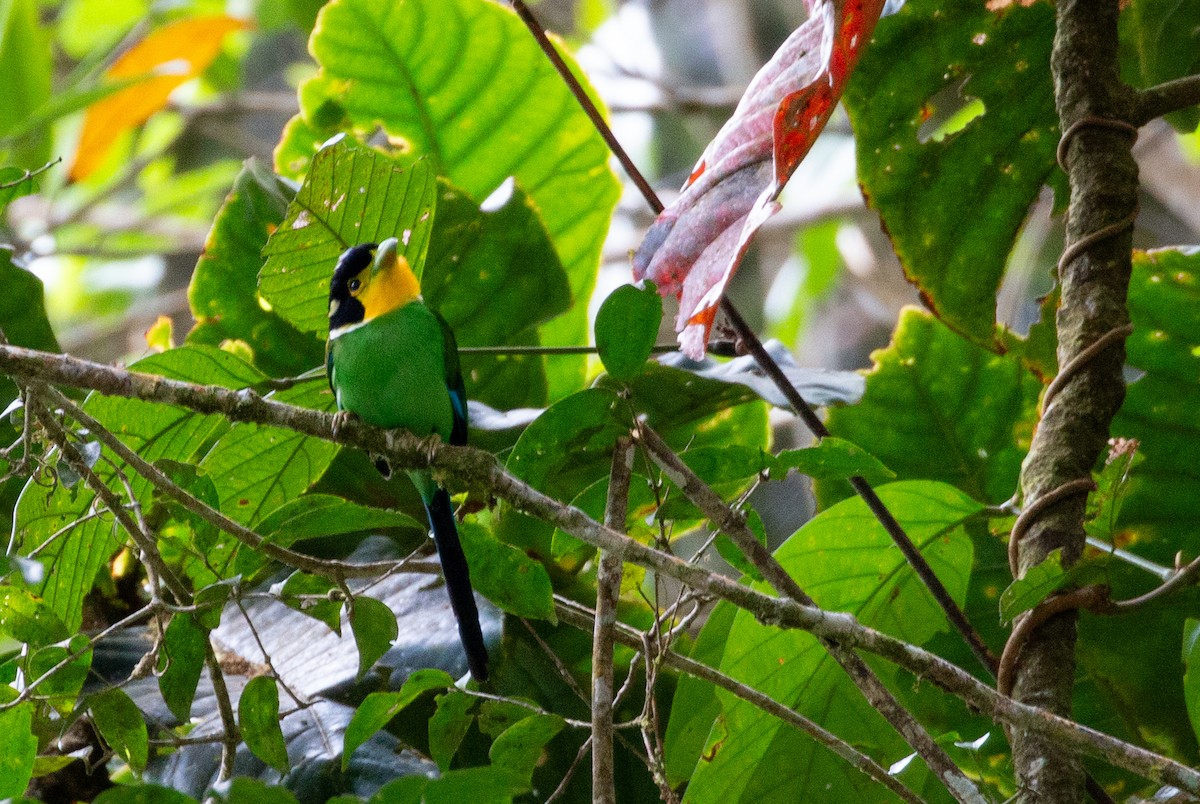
(696, 245)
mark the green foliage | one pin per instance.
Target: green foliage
(626, 327)
(476, 99)
(16, 762)
(223, 295)
(994, 166)
(258, 719)
(180, 662)
(120, 723)
(846, 560)
(1163, 37)
(455, 99)
(375, 630)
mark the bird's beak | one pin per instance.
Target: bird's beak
(386, 255)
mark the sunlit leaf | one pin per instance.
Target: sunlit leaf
(25, 62)
(953, 205)
(449, 726)
(352, 194)
(846, 560)
(155, 431)
(521, 746)
(506, 576)
(482, 101)
(20, 748)
(166, 58)
(27, 619)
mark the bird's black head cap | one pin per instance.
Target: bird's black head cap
(344, 309)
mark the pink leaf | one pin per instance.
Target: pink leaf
(695, 246)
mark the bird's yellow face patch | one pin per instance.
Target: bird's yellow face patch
(388, 283)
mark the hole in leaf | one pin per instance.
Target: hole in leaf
(948, 111)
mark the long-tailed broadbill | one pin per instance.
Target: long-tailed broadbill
(392, 362)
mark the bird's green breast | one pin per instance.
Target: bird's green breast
(391, 372)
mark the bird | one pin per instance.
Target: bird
(393, 362)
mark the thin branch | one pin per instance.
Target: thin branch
(229, 726)
(479, 470)
(1172, 96)
(608, 592)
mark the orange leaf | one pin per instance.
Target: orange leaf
(165, 59)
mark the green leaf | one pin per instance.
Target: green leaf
(16, 182)
(405, 790)
(154, 431)
(27, 619)
(20, 748)
(120, 723)
(834, 459)
(570, 445)
(62, 688)
(1033, 587)
(734, 555)
(352, 194)
(846, 560)
(258, 718)
(449, 726)
(298, 592)
(181, 661)
(953, 205)
(938, 407)
(25, 63)
(315, 515)
(626, 328)
(375, 630)
(223, 294)
(695, 707)
(378, 708)
(244, 790)
(521, 746)
(1159, 408)
(506, 576)
(482, 271)
(256, 469)
(482, 101)
(490, 784)
(1165, 37)
(142, 794)
(1191, 675)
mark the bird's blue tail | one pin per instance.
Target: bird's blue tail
(458, 581)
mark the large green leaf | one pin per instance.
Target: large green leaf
(953, 204)
(847, 562)
(462, 82)
(484, 269)
(352, 194)
(20, 748)
(940, 408)
(83, 542)
(257, 468)
(25, 62)
(223, 294)
(1160, 407)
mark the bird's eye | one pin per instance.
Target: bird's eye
(354, 285)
